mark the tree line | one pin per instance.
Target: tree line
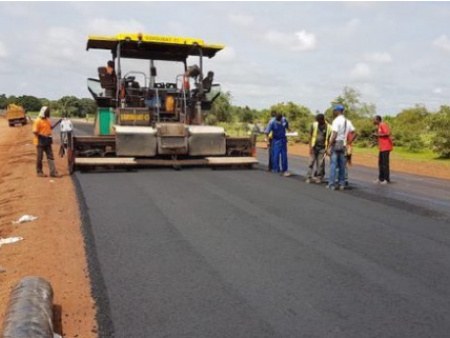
(415, 128)
(70, 106)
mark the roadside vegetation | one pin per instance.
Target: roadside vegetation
(65, 106)
(418, 133)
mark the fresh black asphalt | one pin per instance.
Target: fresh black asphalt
(246, 253)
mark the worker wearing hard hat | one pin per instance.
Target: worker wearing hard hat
(278, 126)
(43, 140)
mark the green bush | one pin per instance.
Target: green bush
(440, 126)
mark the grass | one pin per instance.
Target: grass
(235, 129)
(402, 153)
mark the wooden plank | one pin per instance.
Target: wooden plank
(131, 161)
(231, 160)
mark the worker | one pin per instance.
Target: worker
(341, 127)
(269, 151)
(351, 137)
(65, 135)
(269, 142)
(111, 91)
(208, 81)
(43, 140)
(110, 69)
(385, 146)
(319, 137)
(278, 127)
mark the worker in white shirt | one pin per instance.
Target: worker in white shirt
(66, 135)
(341, 127)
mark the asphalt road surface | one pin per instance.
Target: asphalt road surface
(245, 253)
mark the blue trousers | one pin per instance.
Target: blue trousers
(279, 151)
(337, 162)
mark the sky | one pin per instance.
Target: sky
(396, 54)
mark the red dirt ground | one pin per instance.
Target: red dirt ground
(53, 246)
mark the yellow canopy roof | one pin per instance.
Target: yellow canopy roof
(156, 47)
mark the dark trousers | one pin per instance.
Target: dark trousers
(50, 159)
(269, 150)
(383, 164)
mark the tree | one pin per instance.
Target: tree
(69, 106)
(29, 103)
(221, 109)
(247, 115)
(3, 101)
(354, 108)
(298, 116)
(12, 100)
(440, 126)
(409, 126)
(87, 106)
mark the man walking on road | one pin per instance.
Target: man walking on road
(43, 140)
(318, 143)
(278, 127)
(341, 127)
(385, 145)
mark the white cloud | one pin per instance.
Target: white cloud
(361, 71)
(437, 90)
(3, 51)
(306, 41)
(298, 41)
(177, 28)
(352, 24)
(241, 19)
(442, 42)
(17, 10)
(111, 27)
(380, 57)
(226, 55)
(369, 91)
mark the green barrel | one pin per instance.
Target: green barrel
(107, 118)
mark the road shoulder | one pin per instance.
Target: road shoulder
(52, 246)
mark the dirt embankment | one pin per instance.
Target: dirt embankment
(53, 246)
(423, 168)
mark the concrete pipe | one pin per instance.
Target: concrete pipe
(30, 310)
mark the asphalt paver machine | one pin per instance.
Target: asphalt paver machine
(142, 121)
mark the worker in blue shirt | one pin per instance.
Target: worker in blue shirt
(278, 126)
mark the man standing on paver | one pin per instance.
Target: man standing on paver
(385, 146)
(277, 127)
(341, 127)
(319, 137)
(42, 130)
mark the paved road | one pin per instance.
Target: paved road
(244, 253)
(418, 191)
(426, 195)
